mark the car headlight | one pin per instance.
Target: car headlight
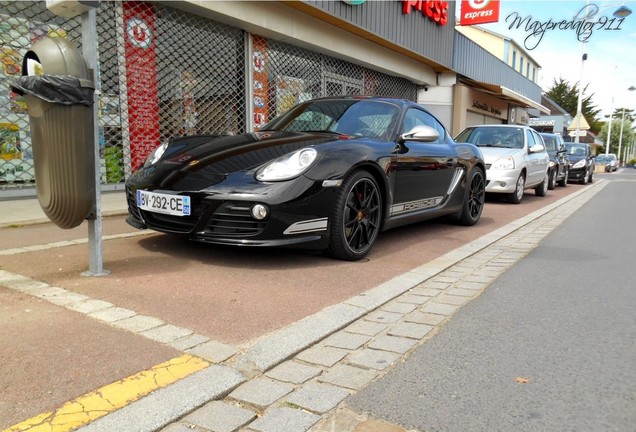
(155, 155)
(504, 163)
(579, 164)
(552, 164)
(288, 166)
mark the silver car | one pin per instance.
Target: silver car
(516, 158)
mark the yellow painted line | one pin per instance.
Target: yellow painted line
(111, 397)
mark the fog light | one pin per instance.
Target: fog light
(259, 211)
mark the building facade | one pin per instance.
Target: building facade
(504, 48)
(190, 67)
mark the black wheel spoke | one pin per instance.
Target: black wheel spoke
(360, 217)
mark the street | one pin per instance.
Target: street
(55, 355)
(547, 347)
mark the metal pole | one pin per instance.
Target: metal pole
(579, 103)
(89, 52)
(620, 138)
(609, 129)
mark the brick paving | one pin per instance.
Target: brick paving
(306, 391)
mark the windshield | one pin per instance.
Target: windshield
(550, 142)
(506, 137)
(576, 149)
(364, 118)
(606, 158)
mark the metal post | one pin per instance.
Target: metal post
(89, 52)
(579, 103)
(609, 128)
(620, 138)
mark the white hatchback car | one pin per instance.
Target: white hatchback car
(516, 158)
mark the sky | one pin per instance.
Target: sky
(610, 68)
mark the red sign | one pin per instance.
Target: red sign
(141, 78)
(479, 12)
(436, 11)
(260, 66)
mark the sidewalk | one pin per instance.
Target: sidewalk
(24, 211)
(297, 378)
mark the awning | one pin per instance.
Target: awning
(507, 94)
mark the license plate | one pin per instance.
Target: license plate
(175, 205)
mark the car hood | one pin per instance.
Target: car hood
(198, 162)
(575, 158)
(492, 154)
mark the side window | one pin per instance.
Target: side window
(530, 139)
(415, 117)
(538, 139)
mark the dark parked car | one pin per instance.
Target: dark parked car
(559, 162)
(329, 174)
(582, 163)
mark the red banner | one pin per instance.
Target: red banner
(260, 67)
(141, 77)
(479, 12)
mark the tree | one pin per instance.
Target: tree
(628, 133)
(567, 96)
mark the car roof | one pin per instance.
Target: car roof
(500, 126)
(399, 101)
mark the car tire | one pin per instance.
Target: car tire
(591, 180)
(585, 177)
(564, 181)
(542, 189)
(552, 180)
(520, 187)
(474, 198)
(356, 218)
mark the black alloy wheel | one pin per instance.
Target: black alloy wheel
(564, 181)
(474, 198)
(356, 217)
(553, 178)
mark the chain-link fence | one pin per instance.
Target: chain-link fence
(164, 72)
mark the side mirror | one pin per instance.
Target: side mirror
(537, 148)
(421, 134)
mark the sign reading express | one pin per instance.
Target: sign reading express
(479, 12)
(436, 11)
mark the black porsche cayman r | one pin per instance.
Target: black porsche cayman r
(329, 174)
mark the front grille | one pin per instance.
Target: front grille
(176, 224)
(132, 204)
(234, 219)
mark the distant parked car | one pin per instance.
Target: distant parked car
(581, 162)
(515, 157)
(609, 160)
(559, 162)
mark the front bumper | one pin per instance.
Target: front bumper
(501, 181)
(577, 174)
(298, 216)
